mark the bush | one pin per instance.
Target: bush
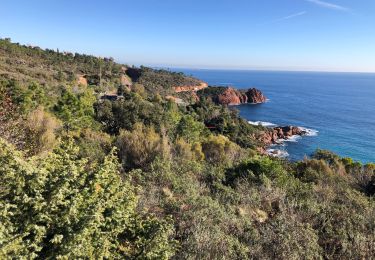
(219, 150)
(62, 207)
(40, 128)
(140, 147)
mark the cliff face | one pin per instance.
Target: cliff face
(180, 89)
(255, 96)
(274, 135)
(231, 96)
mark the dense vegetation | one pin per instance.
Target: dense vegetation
(143, 177)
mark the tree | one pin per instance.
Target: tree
(76, 111)
(190, 129)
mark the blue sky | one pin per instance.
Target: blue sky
(329, 35)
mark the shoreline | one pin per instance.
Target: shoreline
(279, 135)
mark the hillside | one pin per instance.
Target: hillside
(52, 67)
(98, 161)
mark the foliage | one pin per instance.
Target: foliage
(61, 207)
(75, 110)
(190, 129)
(40, 128)
(219, 150)
(123, 114)
(160, 81)
(139, 148)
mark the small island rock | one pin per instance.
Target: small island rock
(255, 96)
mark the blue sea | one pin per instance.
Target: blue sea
(338, 108)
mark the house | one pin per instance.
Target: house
(111, 97)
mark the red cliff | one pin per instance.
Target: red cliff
(231, 96)
(255, 96)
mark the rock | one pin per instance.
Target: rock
(277, 134)
(82, 80)
(125, 80)
(194, 96)
(180, 89)
(255, 96)
(177, 100)
(231, 96)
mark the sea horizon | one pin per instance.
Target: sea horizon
(177, 68)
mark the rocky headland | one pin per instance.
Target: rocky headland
(255, 96)
(231, 96)
(277, 134)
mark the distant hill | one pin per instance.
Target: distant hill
(52, 67)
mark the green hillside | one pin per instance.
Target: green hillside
(134, 175)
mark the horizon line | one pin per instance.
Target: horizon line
(255, 69)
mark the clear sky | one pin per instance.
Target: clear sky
(322, 35)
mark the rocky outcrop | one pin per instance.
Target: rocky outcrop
(255, 96)
(125, 80)
(231, 96)
(177, 100)
(82, 80)
(277, 134)
(180, 89)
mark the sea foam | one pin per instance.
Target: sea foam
(309, 132)
(277, 153)
(292, 139)
(262, 123)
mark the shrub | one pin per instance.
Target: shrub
(219, 150)
(62, 207)
(140, 147)
(40, 128)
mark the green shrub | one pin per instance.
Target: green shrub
(140, 147)
(61, 207)
(219, 150)
(40, 128)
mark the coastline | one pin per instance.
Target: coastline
(312, 100)
(279, 135)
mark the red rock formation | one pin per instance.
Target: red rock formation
(125, 81)
(231, 96)
(190, 88)
(194, 96)
(274, 135)
(81, 80)
(255, 96)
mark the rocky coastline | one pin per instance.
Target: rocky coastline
(276, 136)
(231, 96)
(279, 134)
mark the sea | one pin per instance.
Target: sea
(337, 109)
